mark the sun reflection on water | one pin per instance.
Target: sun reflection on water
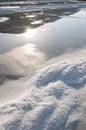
(30, 33)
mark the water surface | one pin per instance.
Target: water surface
(59, 35)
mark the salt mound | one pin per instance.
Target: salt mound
(55, 100)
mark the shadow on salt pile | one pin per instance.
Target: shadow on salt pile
(4, 77)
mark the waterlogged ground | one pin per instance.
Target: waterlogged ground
(43, 65)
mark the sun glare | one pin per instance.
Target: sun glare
(30, 33)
